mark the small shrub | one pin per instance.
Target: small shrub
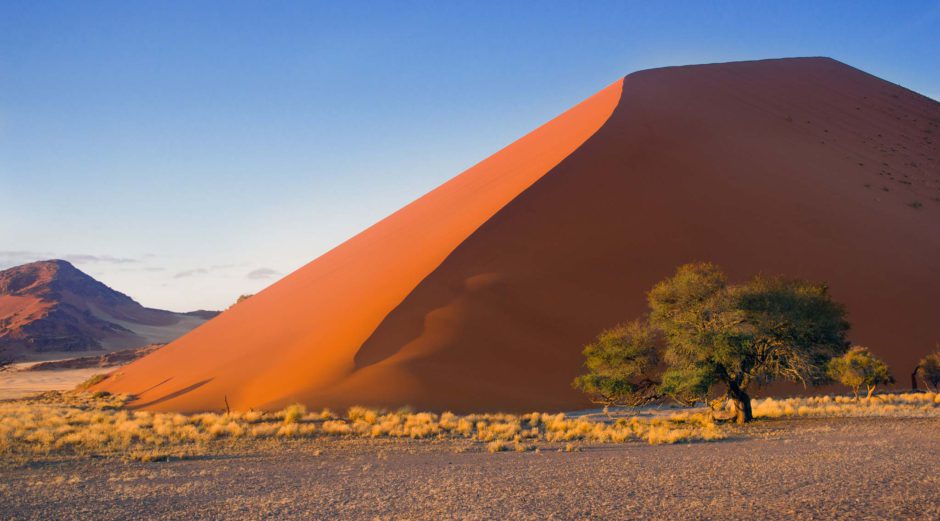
(928, 370)
(93, 380)
(293, 413)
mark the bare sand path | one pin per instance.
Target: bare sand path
(872, 468)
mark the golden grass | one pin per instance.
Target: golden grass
(919, 405)
(97, 424)
(81, 423)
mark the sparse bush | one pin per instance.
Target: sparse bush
(928, 370)
(859, 367)
(93, 380)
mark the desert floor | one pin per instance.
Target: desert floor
(848, 468)
(16, 382)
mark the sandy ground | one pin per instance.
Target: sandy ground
(16, 383)
(153, 334)
(795, 469)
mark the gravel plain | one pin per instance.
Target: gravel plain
(861, 468)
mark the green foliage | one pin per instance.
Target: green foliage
(618, 363)
(768, 329)
(688, 384)
(859, 367)
(928, 370)
(791, 328)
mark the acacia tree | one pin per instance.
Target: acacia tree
(770, 328)
(928, 370)
(859, 367)
(618, 363)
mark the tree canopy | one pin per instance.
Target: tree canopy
(859, 367)
(618, 365)
(769, 328)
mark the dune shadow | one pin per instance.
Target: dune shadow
(174, 394)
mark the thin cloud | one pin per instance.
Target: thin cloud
(15, 257)
(190, 273)
(262, 273)
(82, 258)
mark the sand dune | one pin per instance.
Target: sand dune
(480, 295)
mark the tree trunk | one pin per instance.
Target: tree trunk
(871, 391)
(741, 403)
(855, 392)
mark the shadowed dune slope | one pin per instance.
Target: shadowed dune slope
(480, 295)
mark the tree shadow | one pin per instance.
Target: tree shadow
(175, 394)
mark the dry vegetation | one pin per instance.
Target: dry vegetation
(85, 424)
(61, 424)
(909, 405)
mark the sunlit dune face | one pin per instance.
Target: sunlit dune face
(302, 334)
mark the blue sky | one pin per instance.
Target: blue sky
(187, 152)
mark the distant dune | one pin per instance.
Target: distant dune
(481, 294)
(51, 309)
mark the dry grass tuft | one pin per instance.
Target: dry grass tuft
(497, 446)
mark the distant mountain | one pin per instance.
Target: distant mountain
(51, 306)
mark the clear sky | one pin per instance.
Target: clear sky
(187, 152)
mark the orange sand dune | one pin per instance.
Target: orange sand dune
(480, 295)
